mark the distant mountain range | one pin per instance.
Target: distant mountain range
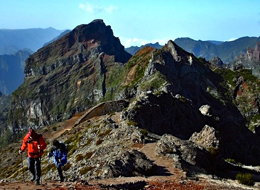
(15, 48)
(12, 71)
(226, 51)
(57, 37)
(133, 49)
(12, 41)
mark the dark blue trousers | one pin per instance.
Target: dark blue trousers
(60, 172)
(34, 165)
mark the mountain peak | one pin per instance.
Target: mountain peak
(92, 38)
(176, 51)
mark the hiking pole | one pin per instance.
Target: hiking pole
(22, 167)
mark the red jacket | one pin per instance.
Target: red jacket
(32, 144)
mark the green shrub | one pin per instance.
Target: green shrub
(132, 123)
(67, 166)
(79, 157)
(105, 133)
(154, 83)
(144, 132)
(48, 168)
(245, 179)
(99, 141)
(88, 155)
(231, 160)
(213, 150)
(84, 170)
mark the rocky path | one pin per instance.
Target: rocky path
(167, 176)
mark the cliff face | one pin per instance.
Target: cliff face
(68, 76)
(252, 54)
(248, 60)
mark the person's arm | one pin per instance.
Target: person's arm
(51, 152)
(24, 144)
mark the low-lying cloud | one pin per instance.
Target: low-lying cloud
(94, 9)
(128, 42)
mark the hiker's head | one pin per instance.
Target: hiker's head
(31, 132)
(56, 143)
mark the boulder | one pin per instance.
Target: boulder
(207, 138)
(186, 153)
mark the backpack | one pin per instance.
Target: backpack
(64, 147)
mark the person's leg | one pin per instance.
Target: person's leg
(38, 170)
(31, 167)
(60, 173)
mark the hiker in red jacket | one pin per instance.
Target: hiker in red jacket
(35, 144)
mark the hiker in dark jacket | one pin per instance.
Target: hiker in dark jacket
(59, 151)
(35, 144)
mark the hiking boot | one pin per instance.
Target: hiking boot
(33, 178)
(37, 182)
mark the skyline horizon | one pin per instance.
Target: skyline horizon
(139, 22)
(145, 42)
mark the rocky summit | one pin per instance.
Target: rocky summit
(119, 113)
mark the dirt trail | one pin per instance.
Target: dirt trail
(165, 170)
(67, 125)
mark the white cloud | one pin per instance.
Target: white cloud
(110, 9)
(93, 9)
(231, 39)
(128, 42)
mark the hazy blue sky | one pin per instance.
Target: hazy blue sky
(138, 22)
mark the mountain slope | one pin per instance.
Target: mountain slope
(180, 86)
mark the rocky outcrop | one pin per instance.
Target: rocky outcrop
(252, 54)
(207, 138)
(256, 52)
(186, 153)
(216, 61)
(183, 74)
(248, 60)
(165, 114)
(4, 105)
